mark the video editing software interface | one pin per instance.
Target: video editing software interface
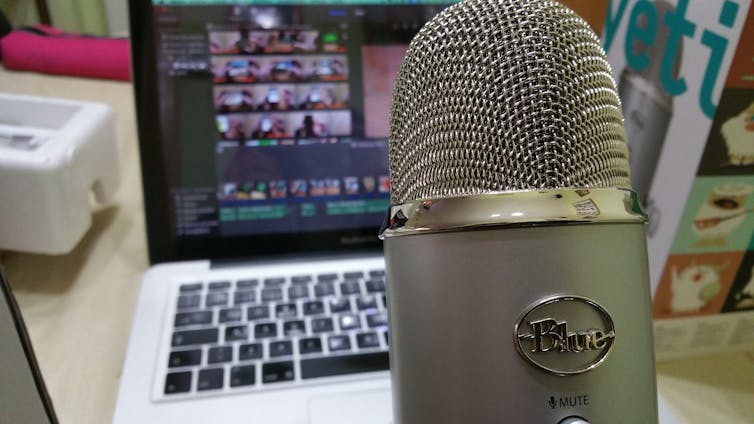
(275, 116)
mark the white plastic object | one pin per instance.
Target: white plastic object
(53, 154)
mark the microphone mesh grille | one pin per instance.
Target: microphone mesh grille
(505, 95)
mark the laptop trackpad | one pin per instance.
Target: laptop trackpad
(368, 407)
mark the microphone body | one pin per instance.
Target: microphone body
(518, 284)
(458, 322)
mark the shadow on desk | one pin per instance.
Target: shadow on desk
(48, 274)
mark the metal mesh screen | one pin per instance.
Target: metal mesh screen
(502, 95)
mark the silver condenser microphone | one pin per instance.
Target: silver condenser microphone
(515, 248)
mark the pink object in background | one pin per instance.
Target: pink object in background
(49, 50)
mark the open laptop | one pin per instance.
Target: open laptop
(23, 394)
(263, 135)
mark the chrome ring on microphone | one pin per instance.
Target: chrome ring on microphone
(514, 209)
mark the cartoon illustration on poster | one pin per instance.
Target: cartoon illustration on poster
(741, 296)
(723, 212)
(738, 133)
(718, 217)
(730, 145)
(745, 297)
(696, 284)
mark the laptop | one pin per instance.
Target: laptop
(23, 394)
(263, 137)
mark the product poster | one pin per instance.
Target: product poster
(685, 74)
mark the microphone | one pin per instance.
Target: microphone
(515, 250)
(648, 109)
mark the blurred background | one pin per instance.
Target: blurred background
(96, 17)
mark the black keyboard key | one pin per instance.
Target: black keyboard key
(294, 328)
(353, 275)
(340, 304)
(195, 337)
(310, 345)
(219, 354)
(189, 301)
(384, 301)
(210, 379)
(219, 298)
(367, 340)
(344, 364)
(265, 330)
(377, 319)
(244, 375)
(322, 325)
(183, 319)
(258, 312)
(349, 322)
(366, 302)
(327, 277)
(250, 351)
(219, 285)
(286, 310)
(185, 358)
(314, 307)
(387, 338)
(190, 288)
(275, 372)
(231, 315)
(350, 287)
(178, 382)
(301, 279)
(324, 289)
(247, 284)
(274, 282)
(299, 291)
(236, 333)
(281, 348)
(243, 296)
(375, 286)
(377, 273)
(339, 342)
(272, 295)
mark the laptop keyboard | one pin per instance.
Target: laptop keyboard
(263, 332)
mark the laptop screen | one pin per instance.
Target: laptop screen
(272, 116)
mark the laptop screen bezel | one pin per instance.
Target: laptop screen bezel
(162, 242)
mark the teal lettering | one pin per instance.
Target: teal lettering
(612, 21)
(640, 34)
(728, 14)
(678, 27)
(717, 45)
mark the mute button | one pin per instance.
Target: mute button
(574, 420)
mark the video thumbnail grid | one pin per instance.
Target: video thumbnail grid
(291, 68)
(279, 84)
(306, 189)
(275, 41)
(280, 97)
(308, 124)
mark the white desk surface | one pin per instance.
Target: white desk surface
(78, 307)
